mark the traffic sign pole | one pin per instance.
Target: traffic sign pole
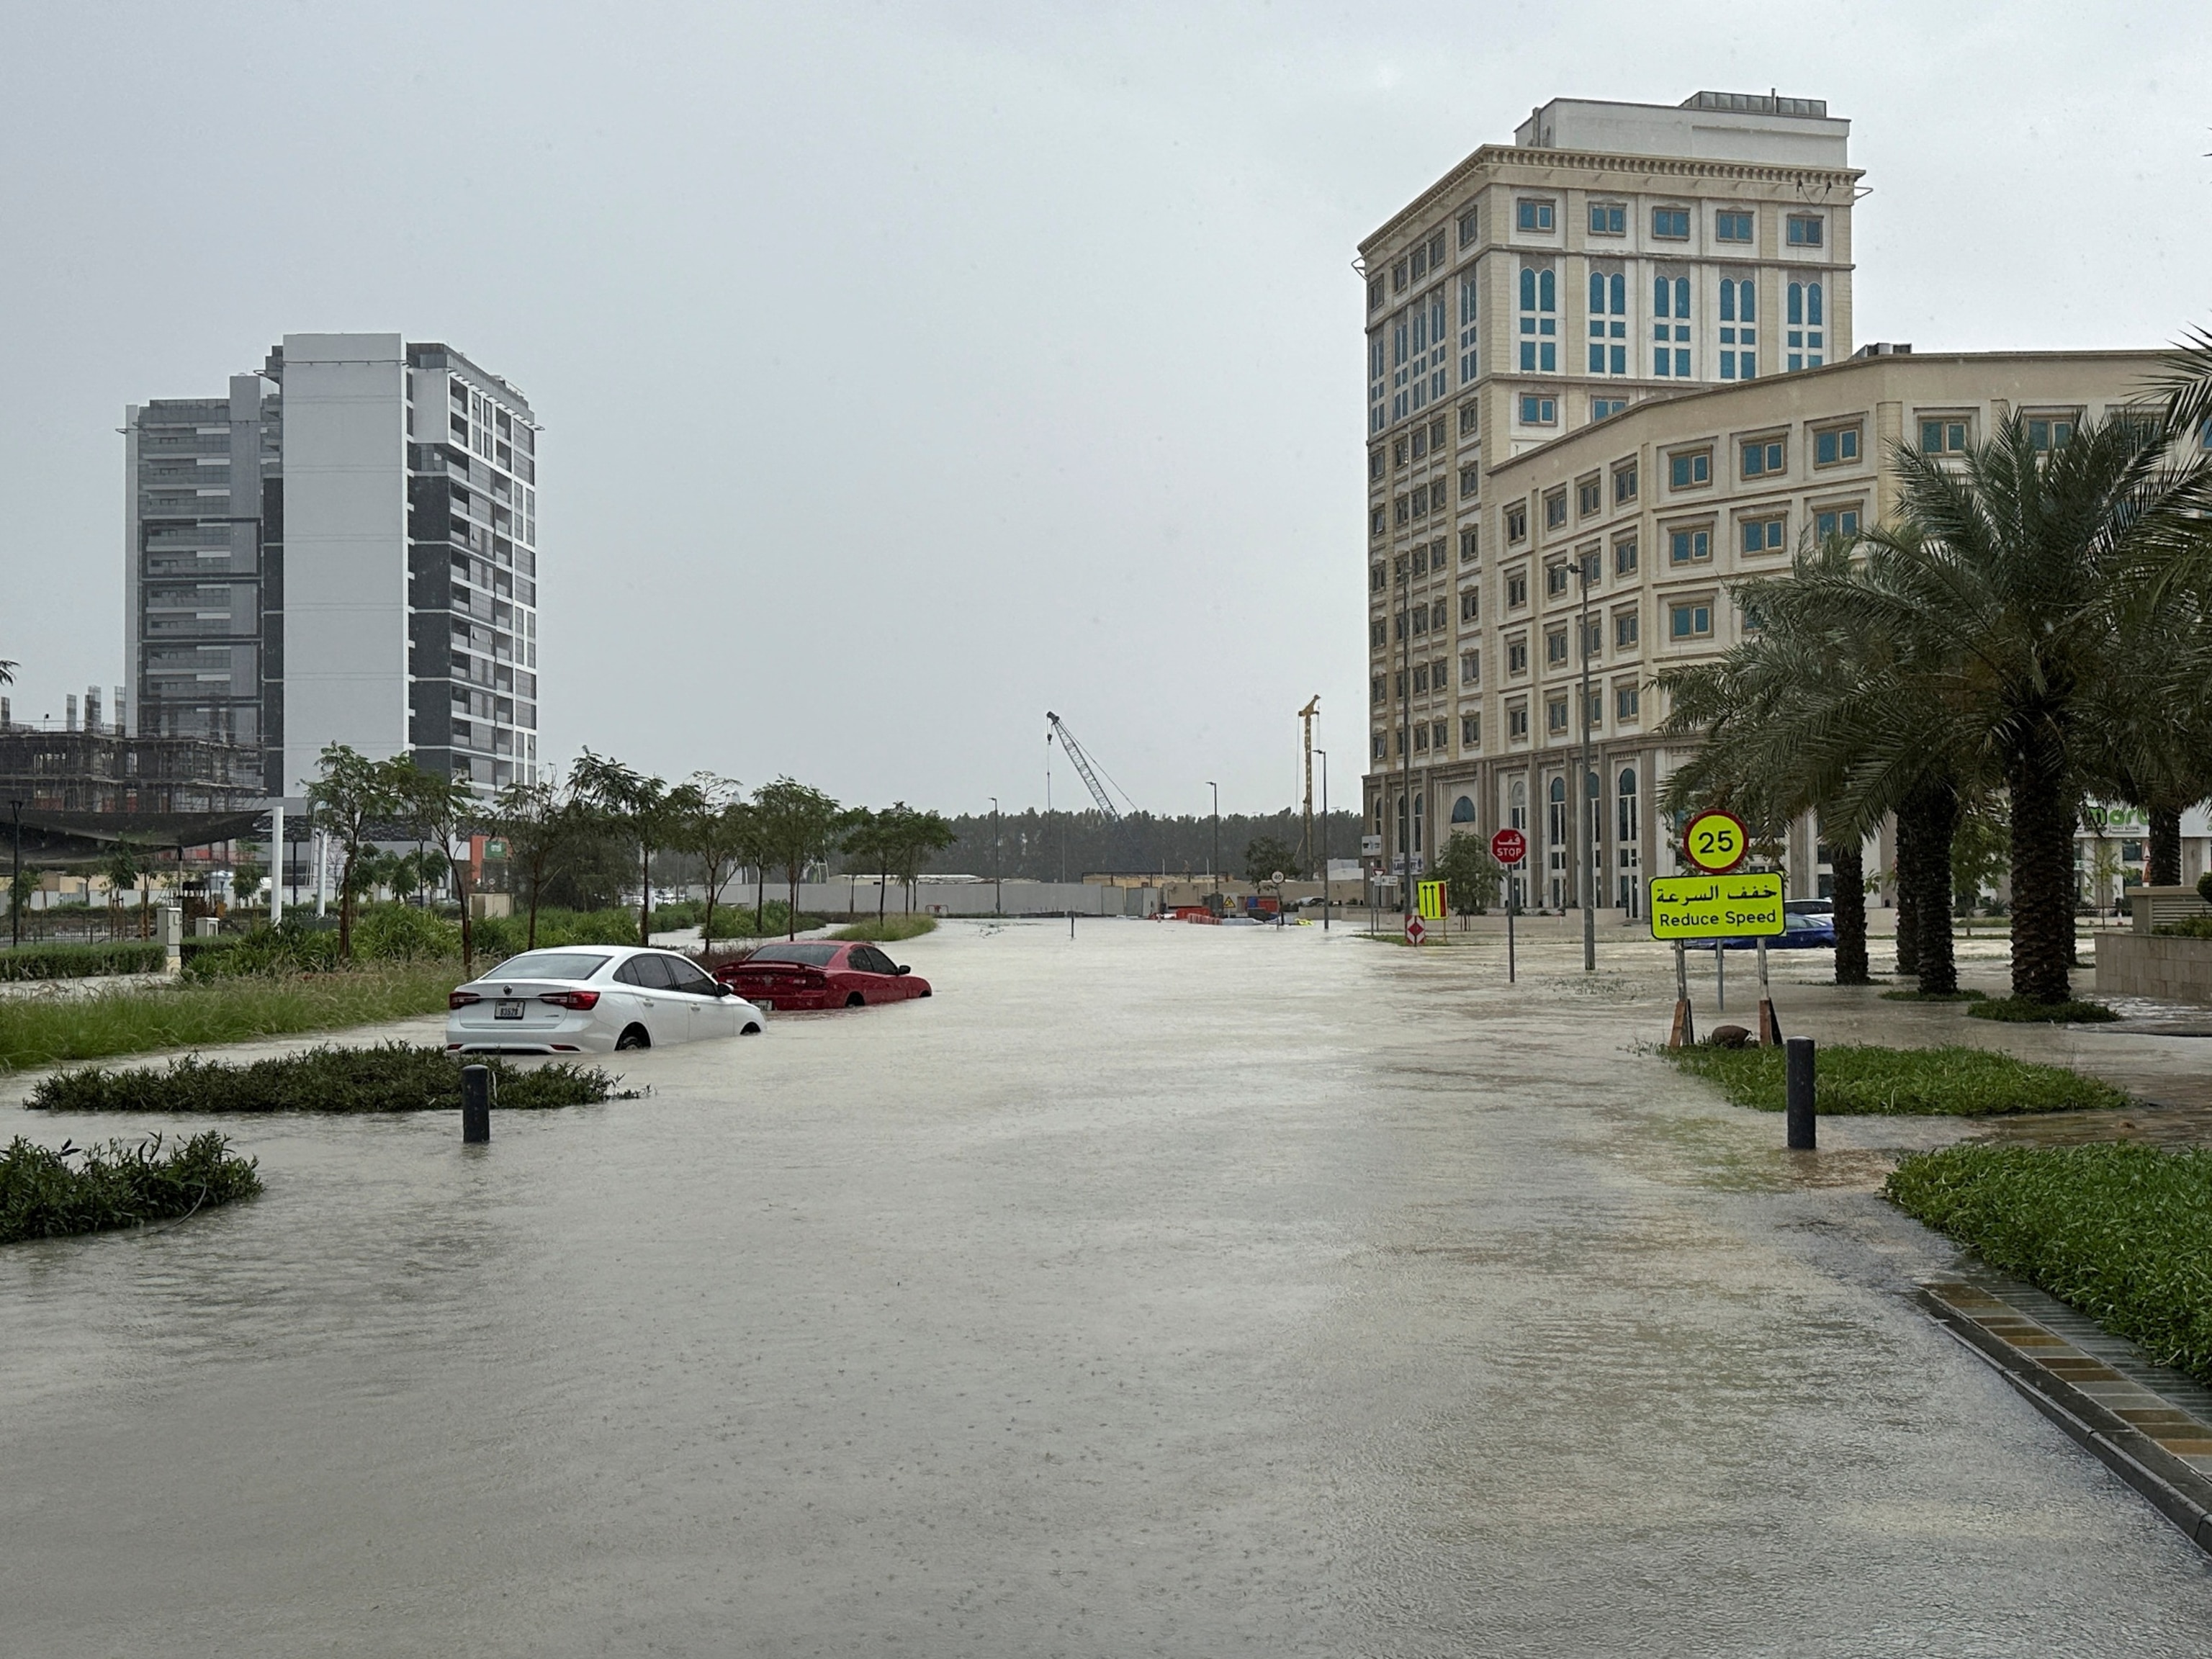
(1509, 846)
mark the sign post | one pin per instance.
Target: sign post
(1508, 847)
(1718, 907)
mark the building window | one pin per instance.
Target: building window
(1604, 409)
(1516, 589)
(1420, 500)
(1589, 496)
(1593, 637)
(1377, 578)
(1836, 521)
(1470, 544)
(1467, 226)
(1835, 446)
(1739, 312)
(1539, 320)
(1402, 509)
(1470, 421)
(1516, 522)
(1555, 581)
(1731, 227)
(1470, 363)
(1624, 556)
(1418, 440)
(1421, 559)
(1376, 462)
(1374, 690)
(1690, 468)
(1470, 604)
(1624, 484)
(1688, 546)
(1421, 738)
(1594, 716)
(1608, 322)
(1517, 723)
(1555, 714)
(1470, 735)
(1532, 214)
(1805, 330)
(1539, 411)
(1762, 458)
(1382, 746)
(1804, 230)
(1470, 482)
(1625, 629)
(1374, 294)
(1627, 704)
(1943, 437)
(1555, 648)
(1377, 633)
(2047, 432)
(1671, 224)
(1670, 349)
(1763, 535)
(1420, 678)
(1690, 620)
(1440, 732)
(1470, 668)
(1555, 509)
(1377, 522)
(1420, 620)
(1517, 656)
(1608, 218)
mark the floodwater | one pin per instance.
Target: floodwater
(1173, 1289)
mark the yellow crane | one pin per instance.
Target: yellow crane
(1307, 715)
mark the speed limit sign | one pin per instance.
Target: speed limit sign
(1715, 841)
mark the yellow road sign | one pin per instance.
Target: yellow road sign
(1715, 841)
(1433, 901)
(1717, 906)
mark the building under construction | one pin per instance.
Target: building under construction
(75, 794)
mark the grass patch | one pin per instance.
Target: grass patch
(1935, 996)
(890, 930)
(80, 961)
(2021, 1011)
(2122, 1232)
(1855, 1079)
(53, 1031)
(44, 1194)
(391, 1077)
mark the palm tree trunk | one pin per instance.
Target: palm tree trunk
(1907, 895)
(2163, 868)
(1850, 914)
(2041, 878)
(1935, 810)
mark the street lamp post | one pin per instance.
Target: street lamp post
(997, 906)
(15, 882)
(1582, 789)
(1213, 868)
(1323, 753)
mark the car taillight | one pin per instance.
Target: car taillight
(579, 1000)
(461, 999)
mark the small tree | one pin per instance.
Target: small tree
(1471, 877)
(246, 874)
(908, 837)
(349, 792)
(798, 824)
(708, 821)
(639, 805)
(538, 822)
(122, 867)
(446, 814)
(1264, 855)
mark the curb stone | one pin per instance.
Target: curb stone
(2150, 1427)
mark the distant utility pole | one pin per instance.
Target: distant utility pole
(998, 906)
(1323, 753)
(1213, 871)
(16, 883)
(1586, 805)
(1306, 716)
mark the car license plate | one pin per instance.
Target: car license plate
(509, 1008)
(768, 1003)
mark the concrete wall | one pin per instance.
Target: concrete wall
(2169, 970)
(1019, 899)
(345, 547)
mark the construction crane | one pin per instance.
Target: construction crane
(1056, 726)
(1307, 715)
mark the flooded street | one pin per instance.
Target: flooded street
(1177, 1290)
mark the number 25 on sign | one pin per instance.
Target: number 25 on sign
(1715, 841)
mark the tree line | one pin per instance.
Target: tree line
(1034, 846)
(2030, 632)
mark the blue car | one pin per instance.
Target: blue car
(1802, 933)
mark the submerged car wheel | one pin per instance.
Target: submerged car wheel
(634, 1037)
(856, 1001)
(751, 1031)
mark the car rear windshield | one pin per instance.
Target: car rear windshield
(550, 964)
(814, 956)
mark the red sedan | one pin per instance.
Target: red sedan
(811, 973)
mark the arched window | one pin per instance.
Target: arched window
(1547, 291)
(1464, 811)
(1807, 341)
(1539, 320)
(1627, 798)
(1401, 825)
(1631, 856)
(1527, 288)
(1516, 805)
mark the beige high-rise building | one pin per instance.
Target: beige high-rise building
(1612, 253)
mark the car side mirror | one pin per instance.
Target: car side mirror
(902, 969)
(723, 988)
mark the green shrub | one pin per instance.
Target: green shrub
(2187, 927)
(391, 1077)
(2021, 1011)
(1850, 1079)
(295, 946)
(80, 961)
(43, 1194)
(403, 933)
(49, 1031)
(2122, 1232)
(1935, 996)
(890, 930)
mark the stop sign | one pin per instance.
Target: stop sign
(1509, 846)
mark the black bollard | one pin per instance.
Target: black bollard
(1797, 1062)
(476, 1105)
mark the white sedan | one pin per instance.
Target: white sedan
(590, 999)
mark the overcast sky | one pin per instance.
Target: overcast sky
(910, 369)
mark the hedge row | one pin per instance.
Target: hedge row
(46, 1193)
(392, 1077)
(80, 961)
